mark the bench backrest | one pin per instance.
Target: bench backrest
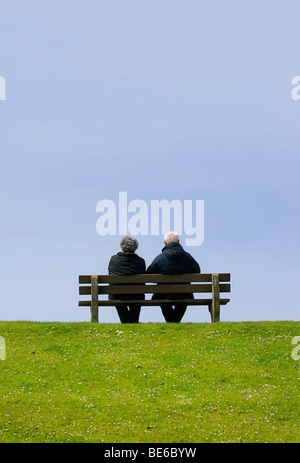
(154, 284)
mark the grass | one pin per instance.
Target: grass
(149, 383)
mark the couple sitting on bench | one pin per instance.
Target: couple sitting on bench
(173, 260)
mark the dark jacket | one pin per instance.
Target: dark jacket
(126, 263)
(174, 260)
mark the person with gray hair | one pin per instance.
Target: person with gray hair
(127, 262)
(173, 260)
(171, 237)
(129, 244)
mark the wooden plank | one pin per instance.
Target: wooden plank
(154, 289)
(147, 278)
(84, 279)
(94, 299)
(151, 303)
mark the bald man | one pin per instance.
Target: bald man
(173, 260)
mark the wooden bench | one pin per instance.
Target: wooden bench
(211, 283)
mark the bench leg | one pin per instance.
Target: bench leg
(94, 314)
(94, 302)
(211, 313)
(215, 316)
(214, 307)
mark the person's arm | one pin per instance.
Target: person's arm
(195, 267)
(153, 268)
(109, 266)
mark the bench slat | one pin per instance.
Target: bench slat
(154, 289)
(157, 302)
(149, 278)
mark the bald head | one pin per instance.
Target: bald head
(171, 237)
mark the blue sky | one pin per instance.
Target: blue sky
(162, 100)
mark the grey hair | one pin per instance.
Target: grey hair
(171, 237)
(129, 244)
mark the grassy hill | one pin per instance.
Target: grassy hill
(150, 383)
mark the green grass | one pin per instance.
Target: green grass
(149, 383)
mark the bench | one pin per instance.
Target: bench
(211, 283)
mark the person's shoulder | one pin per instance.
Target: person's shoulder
(158, 258)
(189, 254)
(193, 262)
(154, 263)
(116, 259)
(141, 259)
(137, 256)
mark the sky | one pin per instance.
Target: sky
(187, 100)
